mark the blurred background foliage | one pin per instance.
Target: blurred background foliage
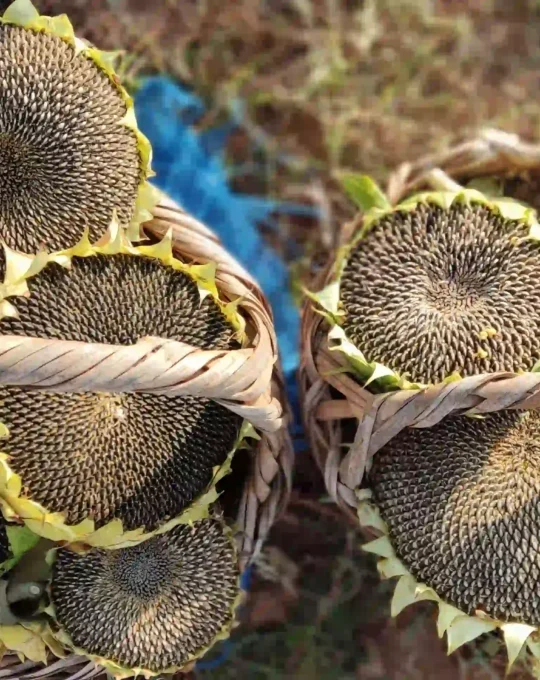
(323, 87)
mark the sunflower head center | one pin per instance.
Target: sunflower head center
(454, 295)
(109, 409)
(141, 573)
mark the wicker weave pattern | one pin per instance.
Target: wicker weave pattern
(381, 417)
(71, 668)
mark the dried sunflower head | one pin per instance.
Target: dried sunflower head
(433, 291)
(139, 458)
(458, 504)
(150, 608)
(461, 503)
(445, 285)
(70, 151)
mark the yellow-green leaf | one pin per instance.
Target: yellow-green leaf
(21, 539)
(380, 546)
(404, 594)
(363, 191)
(327, 298)
(447, 614)
(26, 642)
(464, 629)
(511, 209)
(21, 12)
(489, 186)
(391, 567)
(369, 516)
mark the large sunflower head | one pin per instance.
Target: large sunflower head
(139, 458)
(459, 503)
(444, 284)
(150, 608)
(70, 151)
(434, 291)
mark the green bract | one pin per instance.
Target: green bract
(459, 627)
(20, 540)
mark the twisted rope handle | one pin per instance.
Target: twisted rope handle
(239, 379)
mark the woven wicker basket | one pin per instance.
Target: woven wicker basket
(248, 381)
(332, 398)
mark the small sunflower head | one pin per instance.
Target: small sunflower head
(154, 607)
(70, 153)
